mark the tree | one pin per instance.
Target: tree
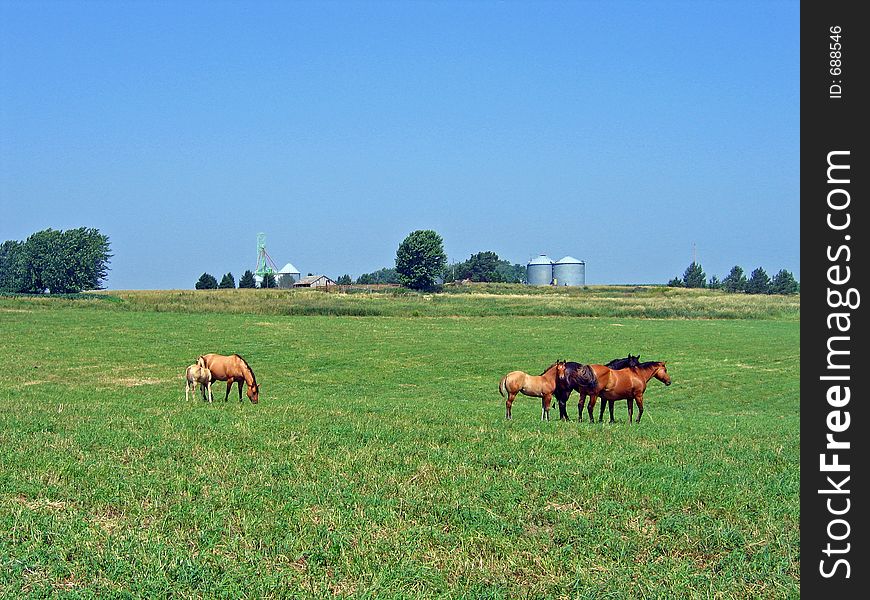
(57, 261)
(784, 283)
(511, 273)
(420, 259)
(694, 277)
(714, 283)
(759, 282)
(12, 266)
(482, 266)
(206, 282)
(286, 281)
(268, 281)
(228, 282)
(735, 281)
(344, 280)
(247, 280)
(385, 275)
(675, 282)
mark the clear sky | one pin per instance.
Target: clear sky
(620, 133)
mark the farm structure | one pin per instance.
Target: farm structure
(316, 281)
(288, 271)
(542, 270)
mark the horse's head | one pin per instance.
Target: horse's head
(254, 393)
(560, 369)
(633, 361)
(662, 374)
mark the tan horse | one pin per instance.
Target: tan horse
(197, 374)
(622, 384)
(539, 386)
(232, 369)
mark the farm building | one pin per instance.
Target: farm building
(539, 271)
(288, 271)
(569, 271)
(315, 281)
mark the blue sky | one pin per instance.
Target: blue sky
(620, 133)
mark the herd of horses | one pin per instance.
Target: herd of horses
(620, 379)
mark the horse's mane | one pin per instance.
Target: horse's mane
(551, 366)
(254, 377)
(651, 363)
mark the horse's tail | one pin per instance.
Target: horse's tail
(585, 377)
(501, 386)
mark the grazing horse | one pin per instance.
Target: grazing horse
(197, 374)
(232, 369)
(539, 386)
(622, 384)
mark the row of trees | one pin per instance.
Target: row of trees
(207, 281)
(421, 263)
(55, 261)
(759, 282)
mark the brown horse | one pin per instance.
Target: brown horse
(232, 369)
(539, 386)
(622, 384)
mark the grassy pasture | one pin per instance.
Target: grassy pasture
(378, 463)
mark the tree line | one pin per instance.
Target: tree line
(759, 282)
(55, 261)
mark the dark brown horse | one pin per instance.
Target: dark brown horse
(579, 376)
(540, 386)
(232, 369)
(622, 384)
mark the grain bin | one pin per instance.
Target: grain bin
(539, 270)
(569, 271)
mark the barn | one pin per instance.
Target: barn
(315, 281)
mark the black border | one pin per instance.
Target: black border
(832, 124)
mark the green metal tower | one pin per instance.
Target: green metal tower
(265, 264)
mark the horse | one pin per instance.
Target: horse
(232, 369)
(539, 386)
(618, 363)
(622, 384)
(197, 374)
(574, 376)
(579, 376)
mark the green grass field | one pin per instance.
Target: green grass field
(378, 463)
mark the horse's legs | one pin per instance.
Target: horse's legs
(229, 387)
(580, 404)
(187, 391)
(562, 401)
(639, 406)
(630, 409)
(546, 400)
(240, 390)
(210, 395)
(592, 399)
(612, 402)
(507, 405)
(601, 411)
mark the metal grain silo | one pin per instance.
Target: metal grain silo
(569, 271)
(539, 270)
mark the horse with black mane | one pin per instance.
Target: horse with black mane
(622, 384)
(232, 369)
(578, 376)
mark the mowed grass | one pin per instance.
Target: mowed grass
(378, 463)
